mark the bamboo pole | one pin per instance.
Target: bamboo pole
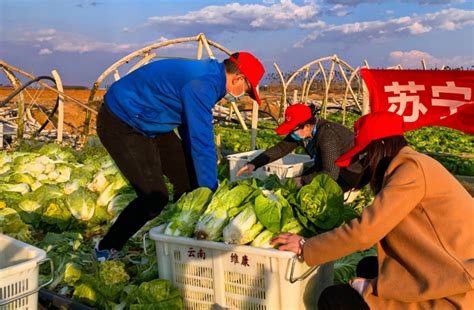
(116, 75)
(59, 86)
(199, 50)
(311, 83)
(16, 83)
(303, 90)
(423, 64)
(146, 59)
(239, 116)
(206, 46)
(295, 96)
(282, 107)
(253, 133)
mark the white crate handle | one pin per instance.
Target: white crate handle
(304, 275)
(286, 171)
(145, 236)
(10, 300)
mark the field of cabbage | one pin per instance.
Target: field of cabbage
(63, 201)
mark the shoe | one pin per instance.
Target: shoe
(105, 255)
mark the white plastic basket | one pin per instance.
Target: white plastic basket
(19, 271)
(214, 275)
(289, 166)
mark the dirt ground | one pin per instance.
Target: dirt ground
(74, 114)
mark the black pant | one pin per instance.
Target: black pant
(143, 161)
(343, 296)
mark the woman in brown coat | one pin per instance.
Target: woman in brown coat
(422, 222)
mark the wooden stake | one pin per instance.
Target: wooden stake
(253, 134)
(59, 86)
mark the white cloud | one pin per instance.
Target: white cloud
(318, 24)
(425, 2)
(389, 12)
(268, 1)
(417, 28)
(238, 17)
(52, 40)
(58, 41)
(338, 10)
(412, 59)
(42, 35)
(45, 51)
(359, 32)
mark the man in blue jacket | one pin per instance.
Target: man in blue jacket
(137, 123)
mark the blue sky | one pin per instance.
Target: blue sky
(81, 38)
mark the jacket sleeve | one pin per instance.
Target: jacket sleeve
(276, 152)
(197, 130)
(403, 190)
(328, 150)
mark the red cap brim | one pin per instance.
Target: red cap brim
(285, 128)
(254, 95)
(345, 159)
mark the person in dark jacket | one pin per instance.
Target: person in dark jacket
(323, 140)
(138, 125)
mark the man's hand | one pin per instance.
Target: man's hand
(248, 168)
(287, 242)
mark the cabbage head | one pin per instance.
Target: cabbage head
(81, 204)
(321, 204)
(186, 212)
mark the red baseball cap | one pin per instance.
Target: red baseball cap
(252, 69)
(372, 127)
(294, 115)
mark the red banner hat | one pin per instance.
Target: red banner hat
(252, 69)
(294, 115)
(372, 127)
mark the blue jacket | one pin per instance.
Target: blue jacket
(174, 93)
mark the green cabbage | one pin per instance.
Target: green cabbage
(117, 182)
(81, 204)
(186, 212)
(120, 201)
(320, 204)
(272, 210)
(263, 239)
(158, 294)
(225, 204)
(56, 213)
(21, 188)
(72, 273)
(12, 225)
(243, 228)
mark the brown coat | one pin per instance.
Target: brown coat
(423, 224)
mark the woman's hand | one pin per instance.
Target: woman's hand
(249, 168)
(288, 242)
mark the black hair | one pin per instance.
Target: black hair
(378, 155)
(230, 66)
